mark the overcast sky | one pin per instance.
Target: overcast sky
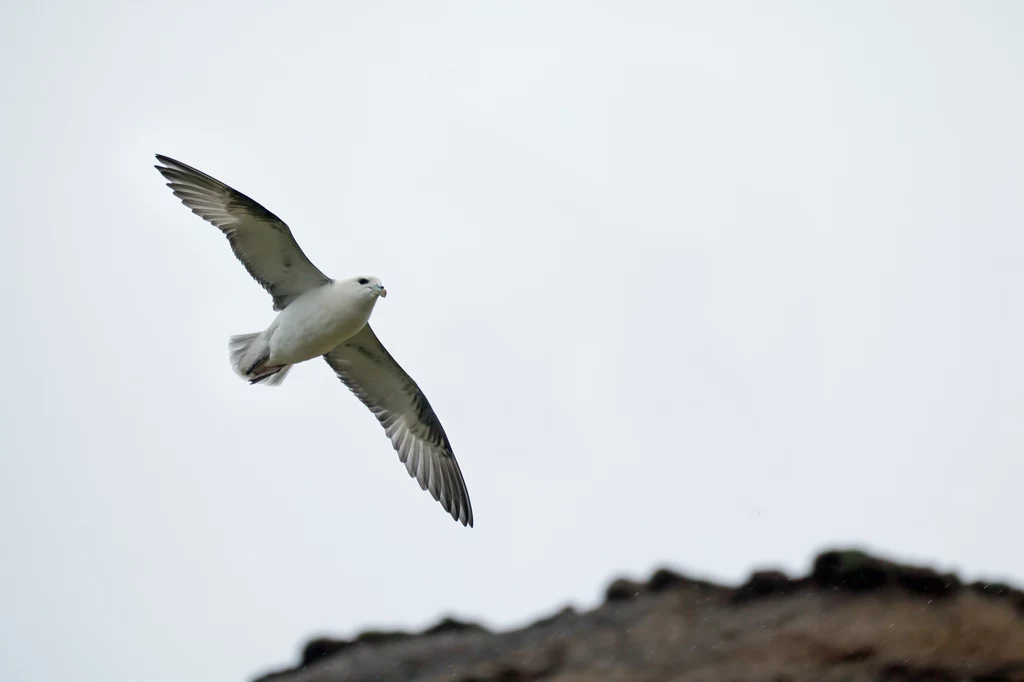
(710, 285)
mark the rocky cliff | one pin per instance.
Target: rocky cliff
(854, 617)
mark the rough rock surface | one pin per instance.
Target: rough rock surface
(855, 617)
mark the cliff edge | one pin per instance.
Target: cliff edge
(854, 617)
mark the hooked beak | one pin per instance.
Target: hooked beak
(383, 292)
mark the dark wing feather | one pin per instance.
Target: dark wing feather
(368, 370)
(261, 241)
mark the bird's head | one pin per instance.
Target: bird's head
(370, 284)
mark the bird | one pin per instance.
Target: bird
(318, 316)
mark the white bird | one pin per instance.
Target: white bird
(319, 316)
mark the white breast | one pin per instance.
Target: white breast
(318, 321)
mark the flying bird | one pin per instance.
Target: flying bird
(319, 316)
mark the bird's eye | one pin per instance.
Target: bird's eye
(363, 280)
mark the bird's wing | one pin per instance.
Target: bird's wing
(261, 241)
(365, 366)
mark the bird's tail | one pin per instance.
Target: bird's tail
(248, 358)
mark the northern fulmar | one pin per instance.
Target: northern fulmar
(319, 316)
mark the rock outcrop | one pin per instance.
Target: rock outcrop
(854, 617)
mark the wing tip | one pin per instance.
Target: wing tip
(463, 510)
(167, 167)
(166, 161)
(175, 166)
(457, 506)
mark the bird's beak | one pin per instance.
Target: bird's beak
(383, 292)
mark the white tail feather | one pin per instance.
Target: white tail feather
(248, 354)
(238, 347)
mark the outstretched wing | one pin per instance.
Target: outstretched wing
(261, 241)
(365, 366)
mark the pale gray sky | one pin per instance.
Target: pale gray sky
(713, 285)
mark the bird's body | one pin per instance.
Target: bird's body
(322, 317)
(319, 320)
(315, 323)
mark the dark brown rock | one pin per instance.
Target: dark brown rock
(763, 584)
(322, 647)
(453, 625)
(856, 571)
(666, 579)
(624, 590)
(856, 618)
